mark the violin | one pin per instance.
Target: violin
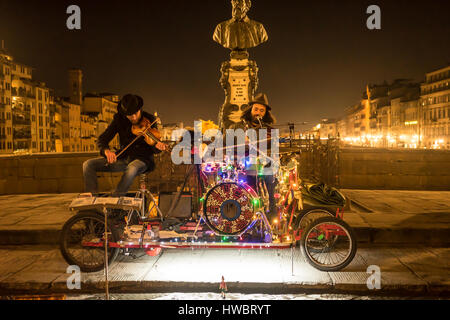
(144, 128)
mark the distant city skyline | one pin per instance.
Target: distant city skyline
(317, 62)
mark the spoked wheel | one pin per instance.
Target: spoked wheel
(306, 217)
(87, 227)
(329, 244)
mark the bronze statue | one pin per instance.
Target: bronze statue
(240, 32)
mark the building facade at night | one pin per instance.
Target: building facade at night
(98, 111)
(435, 109)
(401, 114)
(34, 120)
(88, 133)
(6, 137)
(25, 109)
(168, 129)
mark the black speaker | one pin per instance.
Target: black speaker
(183, 208)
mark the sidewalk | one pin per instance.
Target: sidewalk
(378, 217)
(399, 231)
(419, 271)
(398, 216)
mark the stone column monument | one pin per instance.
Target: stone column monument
(239, 75)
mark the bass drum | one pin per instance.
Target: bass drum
(229, 208)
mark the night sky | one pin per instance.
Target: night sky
(318, 59)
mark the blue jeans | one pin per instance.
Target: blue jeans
(130, 169)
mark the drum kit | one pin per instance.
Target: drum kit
(229, 204)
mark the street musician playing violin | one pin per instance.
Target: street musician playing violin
(139, 141)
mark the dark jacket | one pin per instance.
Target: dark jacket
(138, 150)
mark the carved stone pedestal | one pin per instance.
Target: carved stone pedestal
(239, 80)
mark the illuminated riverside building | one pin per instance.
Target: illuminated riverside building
(435, 109)
(34, 120)
(6, 134)
(101, 107)
(25, 110)
(402, 114)
(88, 133)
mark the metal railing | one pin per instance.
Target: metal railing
(319, 159)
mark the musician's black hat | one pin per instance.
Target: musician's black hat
(130, 104)
(260, 98)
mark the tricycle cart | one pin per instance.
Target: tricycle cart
(232, 215)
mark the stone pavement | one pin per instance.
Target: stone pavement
(398, 216)
(378, 216)
(405, 233)
(405, 271)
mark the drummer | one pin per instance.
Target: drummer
(259, 116)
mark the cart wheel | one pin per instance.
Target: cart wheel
(87, 226)
(329, 244)
(153, 252)
(306, 217)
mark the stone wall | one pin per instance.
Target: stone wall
(62, 173)
(359, 168)
(373, 168)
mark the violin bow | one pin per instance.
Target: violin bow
(134, 140)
